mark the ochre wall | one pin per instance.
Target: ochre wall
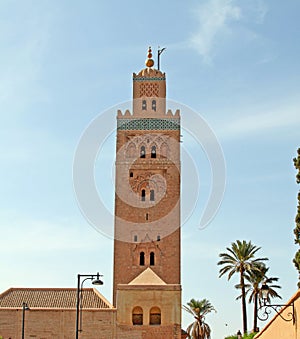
(277, 328)
(167, 298)
(148, 332)
(58, 324)
(96, 324)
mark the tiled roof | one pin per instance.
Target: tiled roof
(52, 298)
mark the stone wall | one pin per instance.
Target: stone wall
(58, 324)
(148, 332)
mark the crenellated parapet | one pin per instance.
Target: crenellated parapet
(128, 114)
(149, 74)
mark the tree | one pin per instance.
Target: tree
(296, 259)
(240, 259)
(199, 329)
(256, 278)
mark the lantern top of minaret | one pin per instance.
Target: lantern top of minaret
(149, 70)
(149, 61)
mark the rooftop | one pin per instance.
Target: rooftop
(52, 298)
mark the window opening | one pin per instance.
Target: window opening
(131, 174)
(142, 259)
(158, 238)
(143, 195)
(153, 152)
(154, 105)
(155, 316)
(135, 238)
(143, 152)
(144, 105)
(152, 256)
(147, 216)
(137, 316)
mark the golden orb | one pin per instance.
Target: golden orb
(149, 62)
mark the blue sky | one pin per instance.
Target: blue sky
(62, 63)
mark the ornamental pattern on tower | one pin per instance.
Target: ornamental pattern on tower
(149, 90)
(148, 124)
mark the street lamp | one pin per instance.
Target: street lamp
(265, 290)
(24, 308)
(95, 281)
(239, 334)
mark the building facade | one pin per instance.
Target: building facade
(51, 313)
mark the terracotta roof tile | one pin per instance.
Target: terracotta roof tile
(52, 298)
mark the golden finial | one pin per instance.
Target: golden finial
(149, 62)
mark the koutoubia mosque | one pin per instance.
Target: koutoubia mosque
(146, 283)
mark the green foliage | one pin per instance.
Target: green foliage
(240, 259)
(255, 279)
(296, 259)
(199, 329)
(245, 336)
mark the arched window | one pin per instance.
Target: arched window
(152, 257)
(143, 196)
(155, 316)
(151, 195)
(135, 238)
(144, 105)
(153, 152)
(143, 152)
(154, 105)
(137, 316)
(142, 259)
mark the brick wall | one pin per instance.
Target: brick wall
(163, 216)
(57, 324)
(149, 332)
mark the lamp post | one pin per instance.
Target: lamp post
(95, 281)
(267, 308)
(24, 308)
(239, 334)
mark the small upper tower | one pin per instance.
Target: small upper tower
(149, 90)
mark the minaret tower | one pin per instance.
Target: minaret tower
(147, 205)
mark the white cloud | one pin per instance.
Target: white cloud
(261, 11)
(214, 17)
(260, 121)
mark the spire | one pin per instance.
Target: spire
(149, 62)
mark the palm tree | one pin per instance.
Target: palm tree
(199, 329)
(256, 278)
(240, 259)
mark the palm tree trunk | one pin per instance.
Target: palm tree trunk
(255, 314)
(244, 310)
